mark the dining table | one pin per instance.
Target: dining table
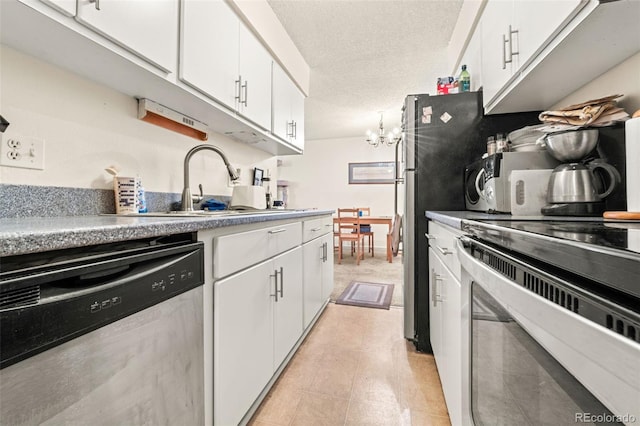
(377, 220)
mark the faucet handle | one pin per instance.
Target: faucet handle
(198, 198)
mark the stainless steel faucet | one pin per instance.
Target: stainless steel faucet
(187, 199)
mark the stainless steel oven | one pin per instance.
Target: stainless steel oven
(541, 346)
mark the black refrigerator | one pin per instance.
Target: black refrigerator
(441, 135)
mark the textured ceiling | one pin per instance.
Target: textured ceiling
(366, 56)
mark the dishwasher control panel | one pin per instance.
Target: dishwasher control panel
(71, 297)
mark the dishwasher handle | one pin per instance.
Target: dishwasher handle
(90, 267)
(117, 276)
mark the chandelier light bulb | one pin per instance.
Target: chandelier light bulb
(389, 139)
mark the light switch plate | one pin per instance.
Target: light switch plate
(22, 151)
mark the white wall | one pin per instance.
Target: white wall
(87, 127)
(320, 179)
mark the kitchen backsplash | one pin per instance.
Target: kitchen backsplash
(50, 201)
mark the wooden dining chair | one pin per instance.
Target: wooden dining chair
(349, 231)
(365, 230)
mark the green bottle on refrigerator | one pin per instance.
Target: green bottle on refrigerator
(464, 81)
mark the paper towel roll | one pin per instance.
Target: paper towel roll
(632, 146)
(248, 197)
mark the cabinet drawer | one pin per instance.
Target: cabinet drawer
(443, 240)
(313, 228)
(232, 253)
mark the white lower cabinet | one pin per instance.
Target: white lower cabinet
(327, 271)
(257, 321)
(287, 316)
(318, 275)
(243, 327)
(269, 284)
(445, 322)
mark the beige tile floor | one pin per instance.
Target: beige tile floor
(355, 368)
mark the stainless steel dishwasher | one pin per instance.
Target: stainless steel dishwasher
(110, 334)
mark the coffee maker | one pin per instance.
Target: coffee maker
(579, 186)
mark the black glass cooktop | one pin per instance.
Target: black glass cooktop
(606, 252)
(616, 235)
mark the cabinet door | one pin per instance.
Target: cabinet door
(243, 341)
(297, 116)
(287, 318)
(288, 108)
(147, 28)
(209, 49)
(327, 268)
(446, 333)
(255, 73)
(281, 125)
(537, 21)
(435, 307)
(452, 345)
(313, 254)
(496, 18)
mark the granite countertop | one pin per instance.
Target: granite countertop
(35, 234)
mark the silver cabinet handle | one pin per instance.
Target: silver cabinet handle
(275, 275)
(277, 231)
(504, 52)
(281, 282)
(508, 42)
(96, 3)
(238, 90)
(245, 86)
(429, 237)
(295, 129)
(315, 229)
(435, 277)
(290, 126)
(324, 252)
(445, 251)
(511, 52)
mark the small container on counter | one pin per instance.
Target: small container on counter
(502, 143)
(126, 194)
(491, 145)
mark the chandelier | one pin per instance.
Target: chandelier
(379, 138)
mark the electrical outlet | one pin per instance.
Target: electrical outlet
(22, 151)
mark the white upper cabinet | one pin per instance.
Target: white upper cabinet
(147, 28)
(288, 109)
(197, 57)
(222, 59)
(254, 75)
(555, 47)
(513, 32)
(497, 63)
(209, 49)
(537, 22)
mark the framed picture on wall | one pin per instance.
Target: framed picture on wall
(257, 176)
(372, 173)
